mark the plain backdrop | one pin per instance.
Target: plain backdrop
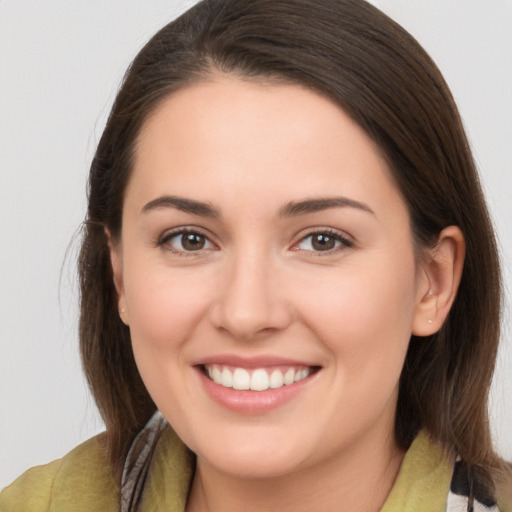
(60, 65)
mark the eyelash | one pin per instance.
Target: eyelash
(180, 232)
(342, 240)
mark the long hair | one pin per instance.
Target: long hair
(379, 75)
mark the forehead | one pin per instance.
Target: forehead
(230, 135)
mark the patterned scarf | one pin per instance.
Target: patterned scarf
(467, 491)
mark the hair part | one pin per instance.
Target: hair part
(379, 75)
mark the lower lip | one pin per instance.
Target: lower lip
(252, 402)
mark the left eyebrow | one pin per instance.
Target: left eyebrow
(183, 204)
(294, 208)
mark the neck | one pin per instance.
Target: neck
(358, 481)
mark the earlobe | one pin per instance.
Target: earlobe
(117, 274)
(443, 271)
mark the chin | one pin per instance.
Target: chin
(255, 464)
(255, 457)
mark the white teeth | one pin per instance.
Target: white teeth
(304, 373)
(258, 380)
(289, 377)
(227, 378)
(301, 374)
(276, 379)
(241, 379)
(217, 377)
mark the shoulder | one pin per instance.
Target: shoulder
(504, 492)
(423, 482)
(80, 481)
(430, 479)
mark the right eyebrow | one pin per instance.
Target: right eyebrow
(182, 204)
(318, 204)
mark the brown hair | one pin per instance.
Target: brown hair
(353, 54)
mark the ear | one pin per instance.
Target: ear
(442, 268)
(116, 261)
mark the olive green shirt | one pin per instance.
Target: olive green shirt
(81, 481)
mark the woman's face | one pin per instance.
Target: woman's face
(265, 246)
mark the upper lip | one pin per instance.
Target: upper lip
(251, 362)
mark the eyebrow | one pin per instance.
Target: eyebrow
(290, 209)
(182, 204)
(293, 208)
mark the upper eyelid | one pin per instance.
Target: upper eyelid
(167, 235)
(170, 233)
(337, 233)
(301, 235)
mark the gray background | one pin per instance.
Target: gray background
(60, 65)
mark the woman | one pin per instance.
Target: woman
(286, 253)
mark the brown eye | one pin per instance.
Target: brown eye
(323, 242)
(192, 241)
(187, 241)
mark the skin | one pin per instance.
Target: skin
(259, 287)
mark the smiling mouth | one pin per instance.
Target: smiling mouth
(257, 379)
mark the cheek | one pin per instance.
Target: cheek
(165, 311)
(364, 314)
(164, 307)
(364, 320)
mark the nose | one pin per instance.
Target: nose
(251, 301)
